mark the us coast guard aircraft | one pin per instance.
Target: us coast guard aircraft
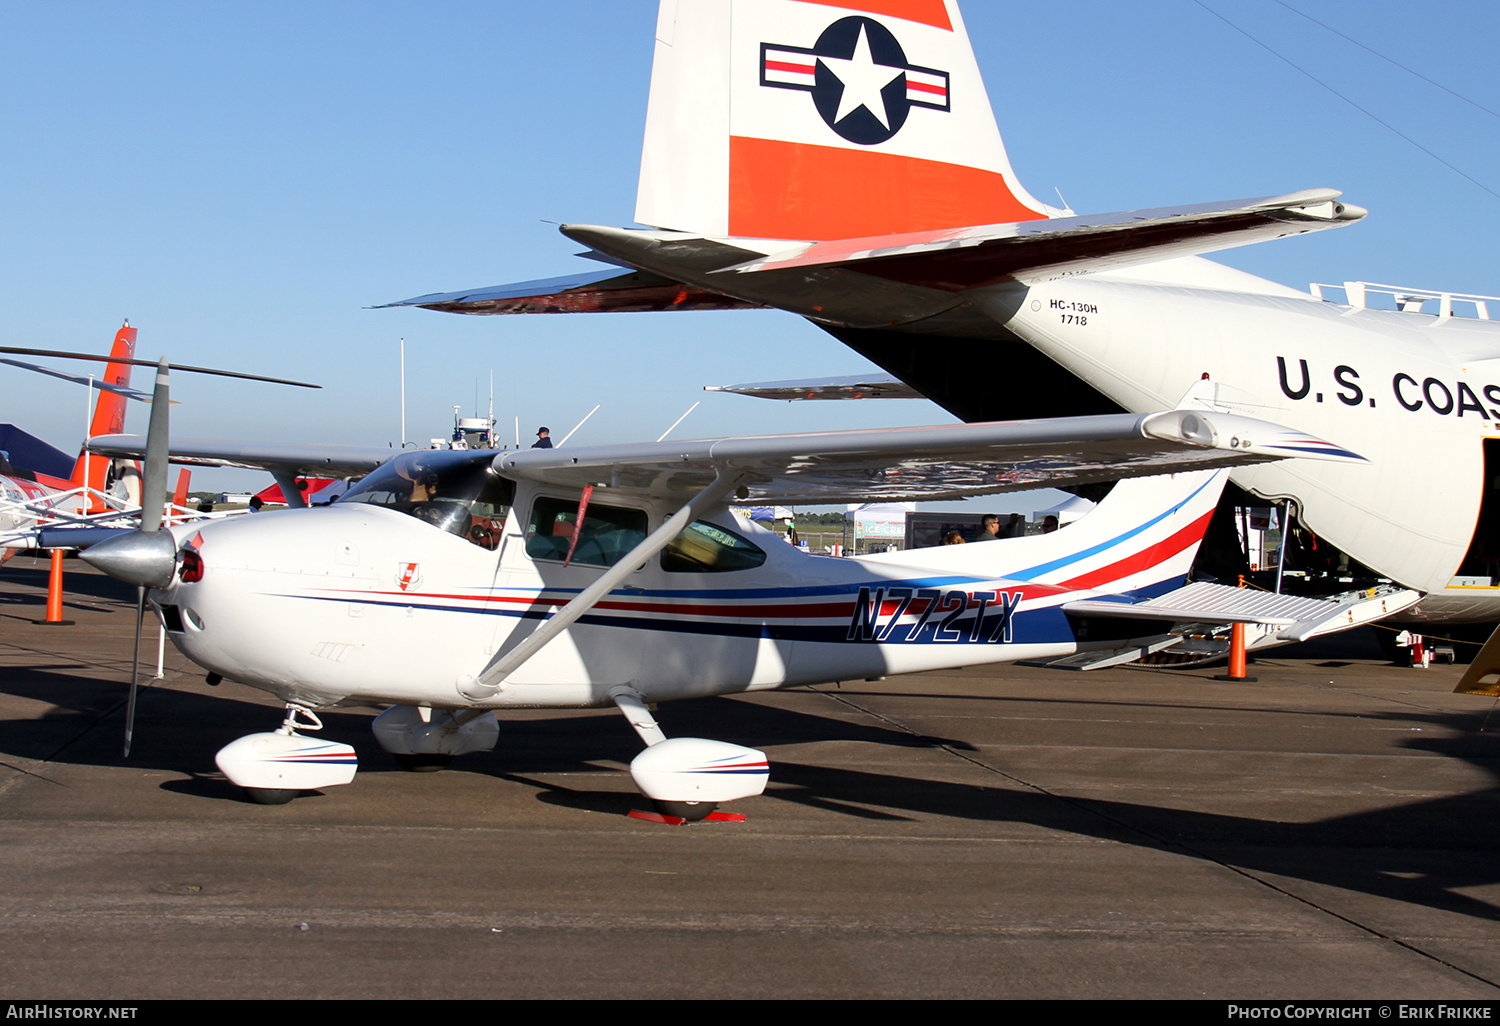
(841, 161)
(452, 584)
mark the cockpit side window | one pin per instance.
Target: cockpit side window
(489, 510)
(706, 548)
(606, 536)
(454, 492)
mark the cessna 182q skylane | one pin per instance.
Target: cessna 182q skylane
(841, 161)
(456, 584)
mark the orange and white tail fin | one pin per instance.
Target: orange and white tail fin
(109, 413)
(821, 119)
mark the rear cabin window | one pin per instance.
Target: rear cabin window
(706, 548)
(605, 537)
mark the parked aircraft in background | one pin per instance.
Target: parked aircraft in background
(30, 492)
(841, 161)
(451, 584)
(853, 386)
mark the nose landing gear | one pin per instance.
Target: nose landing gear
(273, 767)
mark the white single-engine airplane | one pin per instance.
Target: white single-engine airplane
(841, 161)
(452, 584)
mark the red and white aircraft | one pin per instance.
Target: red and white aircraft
(455, 584)
(841, 161)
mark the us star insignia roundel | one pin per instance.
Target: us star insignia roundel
(860, 80)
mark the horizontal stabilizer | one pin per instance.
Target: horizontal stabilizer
(606, 291)
(1212, 603)
(901, 278)
(1100, 659)
(1294, 617)
(1352, 610)
(960, 258)
(885, 281)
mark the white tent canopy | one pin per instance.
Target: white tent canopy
(1070, 509)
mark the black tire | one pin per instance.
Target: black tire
(423, 763)
(270, 795)
(690, 811)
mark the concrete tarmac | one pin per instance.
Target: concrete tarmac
(1327, 832)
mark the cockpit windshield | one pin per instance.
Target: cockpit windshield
(457, 492)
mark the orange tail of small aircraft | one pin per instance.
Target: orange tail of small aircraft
(821, 119)
(109, 418)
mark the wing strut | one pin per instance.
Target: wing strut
(289, 490)
(487, 684)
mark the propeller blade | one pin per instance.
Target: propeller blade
(146, 557)
(135, 668)
(79, 379)
(154, 480)
(156, 546)
(59, 354)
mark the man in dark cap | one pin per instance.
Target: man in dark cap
(543, 439)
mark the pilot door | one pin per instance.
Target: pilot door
(554, 546)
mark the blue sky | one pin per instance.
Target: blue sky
(244, 181)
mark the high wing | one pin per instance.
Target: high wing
(884, 280)
(945, 462)
(292, 460)
(852, 386)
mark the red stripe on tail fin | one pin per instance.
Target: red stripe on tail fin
(787, 190)
(928, 12)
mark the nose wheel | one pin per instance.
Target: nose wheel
(274, 767)
(690, 812)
